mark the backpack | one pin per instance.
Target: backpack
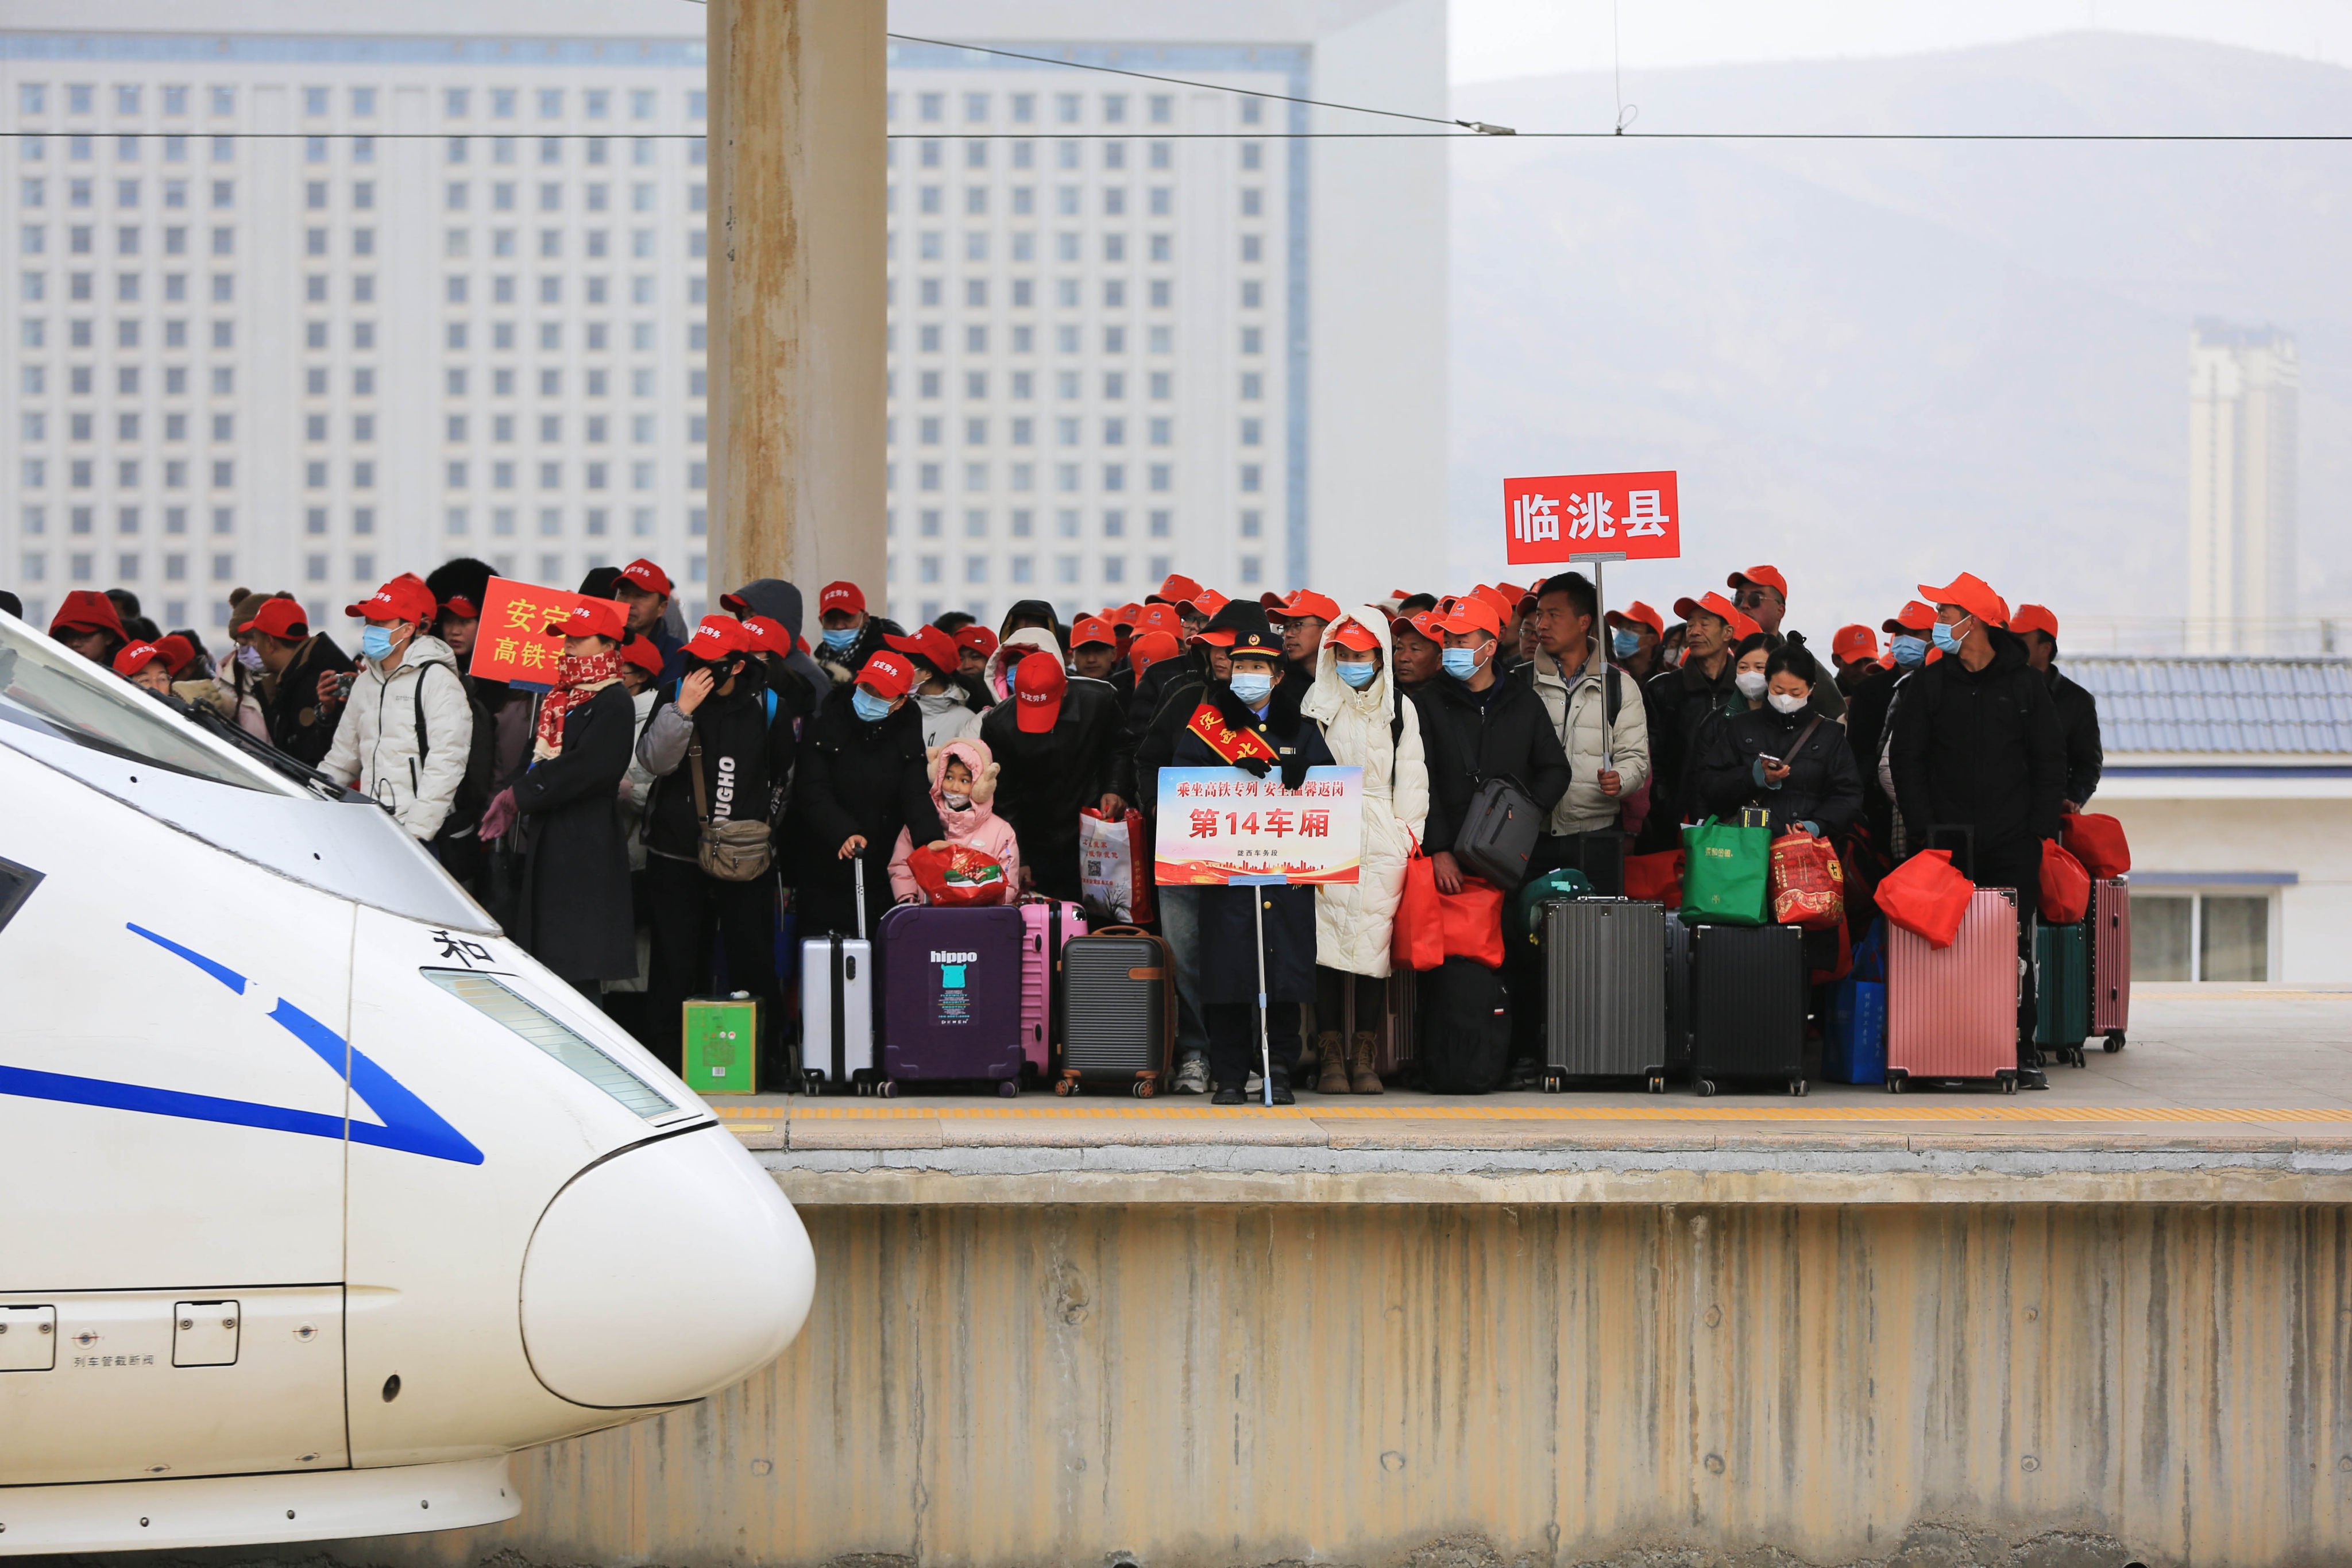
(473, 796)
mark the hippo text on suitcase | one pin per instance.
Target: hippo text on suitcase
(951, 988)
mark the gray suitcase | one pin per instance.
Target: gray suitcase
(1604, 1002)
(838, 1008)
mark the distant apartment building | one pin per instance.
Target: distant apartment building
(2241, 489)
(297, 310)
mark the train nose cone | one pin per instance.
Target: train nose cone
(664, 1274)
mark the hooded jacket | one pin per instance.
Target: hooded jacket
(976, 826)
(1578, 707)
(1980, 749)
(376, 742)
(947, 717)
(780, 602)
(1011, 652)
(1035, 609)
(1354, 921)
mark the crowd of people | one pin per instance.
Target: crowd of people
(648, 824)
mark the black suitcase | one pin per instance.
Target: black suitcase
(1464, 1044)
(1118, 1010)
(1747, 1005)
(1675, 1058)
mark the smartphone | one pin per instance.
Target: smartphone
(343, 683)
(1768, 760)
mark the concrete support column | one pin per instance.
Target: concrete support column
(796, 292)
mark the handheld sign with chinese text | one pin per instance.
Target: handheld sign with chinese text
(1583, 517)
(1221, 825)
(512, 643)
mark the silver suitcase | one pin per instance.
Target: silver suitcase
(837, 1005)
(1604, 996)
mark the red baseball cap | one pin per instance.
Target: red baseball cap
(887, 673)
(593, 619)
(1092, 629)
(842, 596)
(1472, 614)
(716, 636)
(1514, 593)
(767, 635)
(931, 645)
(281, 618)
(1972, 594)
(1714, 604)
(640, 651)
(1423, 626)
(1353, 634)
(1915, 617)
(1308, 601)
(2034, 618)
(1149, 648)
(1271, 602)
(1506, 605)
(1636, 613)
(1208, 602)
(1159, 618)
(137, 656)
(462, 608)
(1855, 642)
(177, 649)
(1177, 590)
(1127, 615)
(1038, 682)
(644, 574)
(978, 638)
(405, 598)
(87, 610)
(1761, 577)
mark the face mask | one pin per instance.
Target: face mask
(1357, 674)
(1782, 703)
(1750, 683)
(250, 658)
(868, 707)
(955, 802)
(1625, 645)
(1253, 687)
(1674, 657)
(1947, 637)
(1461, 663)
(1910, 650)
(840, 639)
(375, 642)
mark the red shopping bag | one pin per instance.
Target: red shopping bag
(2066, 886)
(2097, 842)
(1927, 895)
(1808, 886)
(1655, 879)
(958, 875)
(1471, 922)
(1415, 942)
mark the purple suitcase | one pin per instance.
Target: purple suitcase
(1048, 926)
(948, 983)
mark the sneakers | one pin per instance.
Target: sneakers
(1331, 1076)
(1229, 1094)
(1282, 1095)
(1361, 1078)
(1526, 1076)
(2033, 1077)
(1191, 1077)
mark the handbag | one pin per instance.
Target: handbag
(1498, 833)
(1808, 883)
(957, 876)
(1415, 939)
(1728, 870)
(736, 850)
(1114, 869)
(2066, 886)
(2097, 842)
(1470, 922)
(1927, 895)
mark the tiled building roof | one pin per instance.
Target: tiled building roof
(2220, 704)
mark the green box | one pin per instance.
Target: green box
(722, 1044)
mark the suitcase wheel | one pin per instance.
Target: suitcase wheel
(813, 1080)
(1142, 1088)
(2009, 1083)
(1895, 1083)
(1657, 1084)
(1009, 1089)
(1707, 1087)
(887, 1089)
(1553, 1083)
(2075, 1054)
(1066, 1086)
(2114, 1042)
(1797, 1087)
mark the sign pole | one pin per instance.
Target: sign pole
(1265, 1036)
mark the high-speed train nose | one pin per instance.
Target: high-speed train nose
(664, 1274)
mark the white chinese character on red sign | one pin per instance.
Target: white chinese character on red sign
(1643, 518)
(1535, 518)
(1587, 517)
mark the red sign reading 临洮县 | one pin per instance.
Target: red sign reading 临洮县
(511, 643)
(1574, 517)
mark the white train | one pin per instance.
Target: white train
(321, 1197)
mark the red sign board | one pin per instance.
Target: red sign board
(1575, 517)
(511, 643)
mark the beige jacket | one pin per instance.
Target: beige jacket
(1580, 717)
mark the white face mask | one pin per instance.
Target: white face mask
(1786, 702)
(1752, 683)
(955, 802)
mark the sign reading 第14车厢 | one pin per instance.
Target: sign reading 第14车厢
(1220, 825)
(1576, 517)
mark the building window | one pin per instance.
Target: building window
(2218, 938)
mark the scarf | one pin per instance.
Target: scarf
(578, 677)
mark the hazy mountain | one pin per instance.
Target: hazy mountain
(1871, 362)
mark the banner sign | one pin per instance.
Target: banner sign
(511, 645)
(1579, 517)
(1220, 825)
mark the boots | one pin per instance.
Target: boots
(1364, 1079)
(1332, 1075)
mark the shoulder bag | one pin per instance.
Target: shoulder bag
(737, 850)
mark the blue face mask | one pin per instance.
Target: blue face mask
(1253, 687)
(1357, 674)
(1947, 638)
(839, 638)
(1461, 663)
(1910, 650)
(1624, 644)
(868, 706)
(375, 642)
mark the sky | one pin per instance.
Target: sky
(1498, 38)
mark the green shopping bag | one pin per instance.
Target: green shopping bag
(1726, 870)
(1565, 883)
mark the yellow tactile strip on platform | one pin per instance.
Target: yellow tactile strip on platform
(1894, 1108)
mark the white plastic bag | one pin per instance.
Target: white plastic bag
(1113, 871)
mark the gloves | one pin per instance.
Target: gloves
(1294, 771)
(1756, 771)
(499, 816)
(1257, 767)
(1812, 828)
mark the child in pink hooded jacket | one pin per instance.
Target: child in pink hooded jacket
(961, 771)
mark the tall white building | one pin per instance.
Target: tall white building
(297, 306)
(2242, 488)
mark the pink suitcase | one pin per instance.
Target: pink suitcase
(2111, 966)
(1953, 1014)
(1049, 925)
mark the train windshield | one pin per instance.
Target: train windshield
(61, 694)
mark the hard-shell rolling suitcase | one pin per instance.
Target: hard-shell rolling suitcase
(1678, 990)
(1392, 1030)
(1048, 926)
(2111, 959)
(837, 1005)
(1464, 1044)
(1951, 1014)
(2061, 988)
(1604, 1009)
(1118, 1010)
(950, 982)
(1747, 1005)
(721, 1036)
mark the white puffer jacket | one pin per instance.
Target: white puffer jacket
(375, 740)
(1353, 924)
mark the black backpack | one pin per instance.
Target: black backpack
(473, 795)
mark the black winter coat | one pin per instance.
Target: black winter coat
(1164, 703)
(843, 669)
(2078, 724)
(743, 749)
(1681, 700)
(860, 778)
(298, 725)
(1822, 787)
(1981, 748)
(1047, 779)
(1510, 737)
(574, 914)
(1229, 927)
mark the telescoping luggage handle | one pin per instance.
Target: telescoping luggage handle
(841, 962)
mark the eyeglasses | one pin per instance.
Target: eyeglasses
(1749, 598)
